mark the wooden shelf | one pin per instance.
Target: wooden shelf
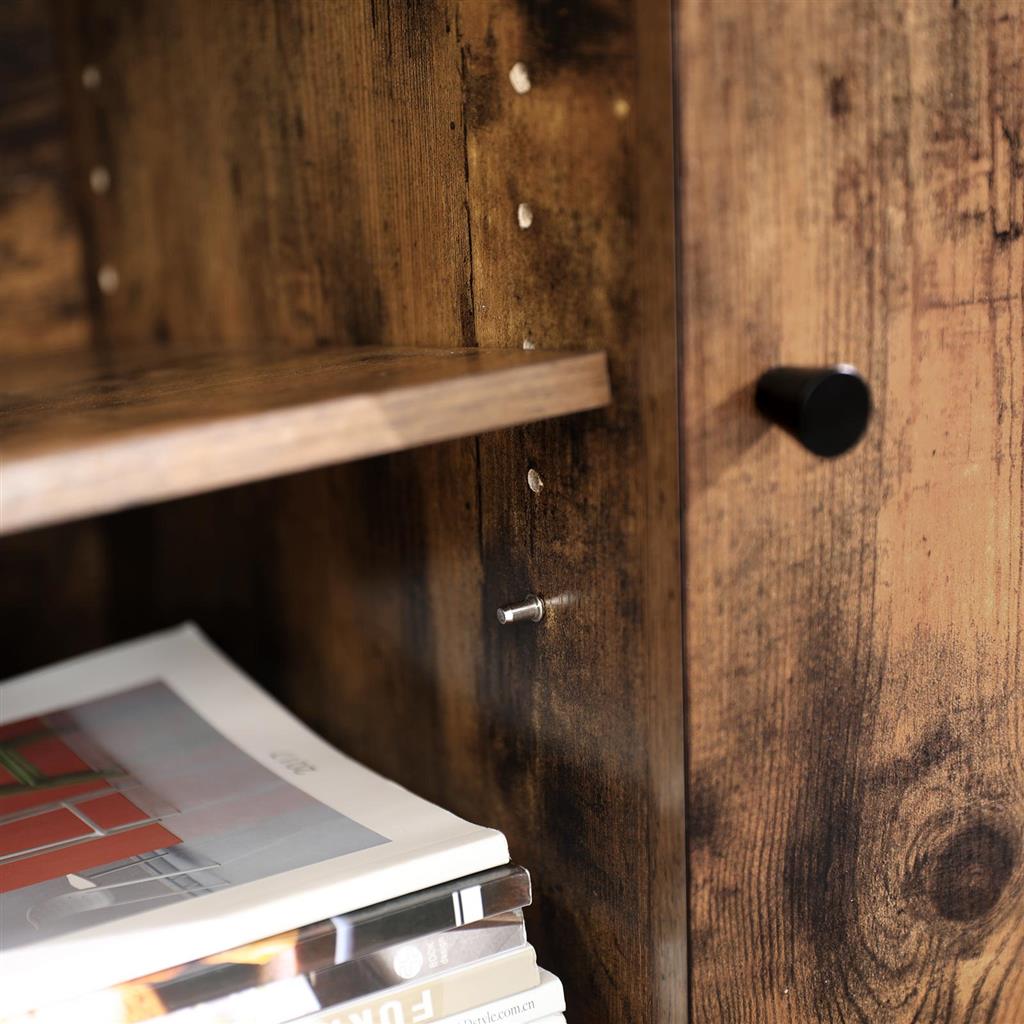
(89, 433)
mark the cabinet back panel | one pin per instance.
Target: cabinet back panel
(52, 586)
(42, 288)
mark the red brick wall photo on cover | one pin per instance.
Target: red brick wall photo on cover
(134, 801)
(59, 815)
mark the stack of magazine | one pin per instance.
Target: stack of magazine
(175, 847)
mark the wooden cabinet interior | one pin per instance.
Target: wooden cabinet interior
(351, 175)
(850, 186)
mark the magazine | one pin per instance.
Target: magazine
(543, 1002)
(157, 807)
(276, 959)
(444, 996)
(289, 996)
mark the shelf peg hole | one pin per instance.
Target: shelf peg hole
(108, 279)
(519, 76)
(99, 180)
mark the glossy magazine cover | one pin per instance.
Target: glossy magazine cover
(435, 998)
(431, 966)
(323, 963)
(157, 808)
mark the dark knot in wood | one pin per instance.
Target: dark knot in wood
(966, 877)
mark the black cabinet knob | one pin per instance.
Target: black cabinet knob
(825, 408)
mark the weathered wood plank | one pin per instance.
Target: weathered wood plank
(852, 190)
(597, 779)
(52, 588)
(42, 293)
(301, 178)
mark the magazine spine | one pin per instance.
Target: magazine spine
(443, 996)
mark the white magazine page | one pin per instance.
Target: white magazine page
(157, 806)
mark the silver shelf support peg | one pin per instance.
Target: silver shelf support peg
(530, 609)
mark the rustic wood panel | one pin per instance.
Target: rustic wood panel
(279, 172)
(351, 174)
(104, 431)
(588, 150)
(853, 184)
(42, 293)
(52, 588)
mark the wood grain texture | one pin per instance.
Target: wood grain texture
(42, 293)
(52, 587)
(315, 194)
(81, 436)
(352, 171)
(853, 186)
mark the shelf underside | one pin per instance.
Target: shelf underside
(88, 433)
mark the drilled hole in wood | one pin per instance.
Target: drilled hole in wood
(536, 484)
(519, 76)
(99, 180)
(108, 279)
